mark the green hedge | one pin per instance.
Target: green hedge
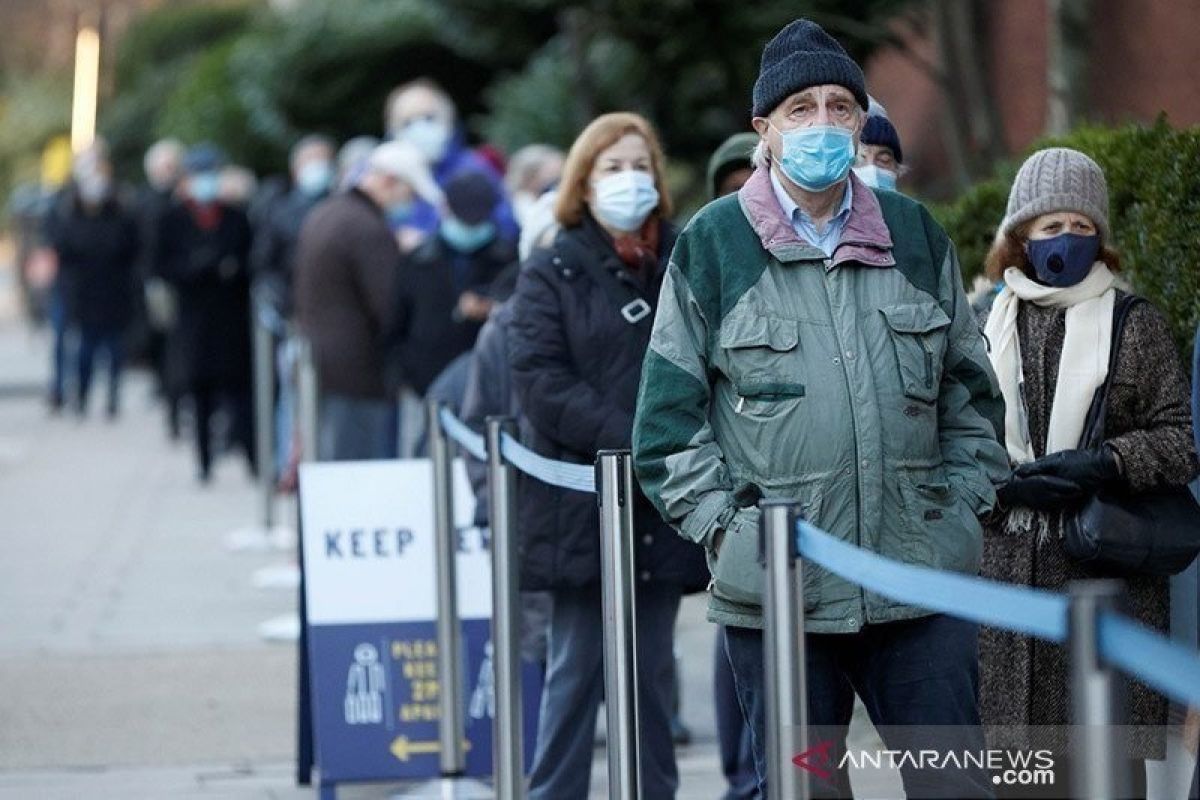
(1154, 195)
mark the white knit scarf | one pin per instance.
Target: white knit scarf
(1082, 367)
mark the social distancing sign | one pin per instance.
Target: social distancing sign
(367, 531)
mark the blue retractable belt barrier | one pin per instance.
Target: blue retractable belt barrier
(580, 477)
(1135, 649)
(468, 439)
(1033, 612)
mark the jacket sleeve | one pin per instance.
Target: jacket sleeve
(1159, 450)
(677, 460)
(554, 397)
(482, 399)
(970, 405)
(376, 261)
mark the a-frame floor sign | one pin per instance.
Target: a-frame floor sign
(368, 640)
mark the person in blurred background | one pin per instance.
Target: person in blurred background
(728, 170)
(443, 286)
(163, 165)
(532, 171)
(347, 266)
(96, 241)
(422, 114)
(237, 187)
(205, 247)
(352, 161)
(880, 160)
(730, 167)
(581, 321)
(271, 259)
(272, 262)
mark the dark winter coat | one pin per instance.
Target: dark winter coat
(210, 272)
(97, 261)
(347, 262)
(272, 258)
(429, 332)
(489, 393)
(576, 365)
(1024, 681)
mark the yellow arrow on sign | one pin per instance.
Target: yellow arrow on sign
(403, 748)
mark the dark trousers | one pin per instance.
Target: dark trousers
(733, 734)
(922, 672)
(562, 764)
(92, 341)
(207, 397)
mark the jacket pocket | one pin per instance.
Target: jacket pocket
(918, 332)
(738, 574)
(763, 359)
(942, 531)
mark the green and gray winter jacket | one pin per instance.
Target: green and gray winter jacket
(857, 385)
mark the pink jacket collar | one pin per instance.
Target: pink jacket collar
(865, 239)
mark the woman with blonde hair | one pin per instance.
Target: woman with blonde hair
(582, 315)
(1055, 338)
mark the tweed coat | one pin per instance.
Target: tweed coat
(1024, 681)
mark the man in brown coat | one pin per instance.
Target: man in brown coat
(347, 264)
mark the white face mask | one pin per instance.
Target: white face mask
(623, 200)
(876, 177)
(429, 136)
(93, 188)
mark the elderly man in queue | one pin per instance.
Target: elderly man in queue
(813, 343)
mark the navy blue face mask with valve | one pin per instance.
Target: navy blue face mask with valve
(1063, 260)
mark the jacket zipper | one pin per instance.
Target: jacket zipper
(928, 364)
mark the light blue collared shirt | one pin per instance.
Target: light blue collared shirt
(825, 240)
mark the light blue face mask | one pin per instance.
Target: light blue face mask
(876, 177)
(315, 178)
(205, 187)
(818, 157)
(467, 238)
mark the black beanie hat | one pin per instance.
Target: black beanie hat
(879, 130)
(803, 55)
(471, 196)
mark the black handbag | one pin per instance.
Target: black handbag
(1124, 533)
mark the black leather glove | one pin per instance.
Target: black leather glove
(1092, 470)
(1040, 492)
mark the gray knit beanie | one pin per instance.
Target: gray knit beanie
(1058, 179)
(803, 55)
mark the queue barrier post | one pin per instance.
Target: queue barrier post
(307, 400)
(1099, 767)
(264, 407)
(509, 758)
(449, 631)
(783, 650)
(614, 481)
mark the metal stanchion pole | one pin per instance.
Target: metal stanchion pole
(614, 482)
(1099, 768)
(506, 617)
(783, 650)
(450, 670)
(264, 406)
(307, 400)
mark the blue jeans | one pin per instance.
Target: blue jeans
(562, 764)
(921, 672)
(733, 734)
(356, 429)
(91, 341)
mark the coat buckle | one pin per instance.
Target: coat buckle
(636, 311)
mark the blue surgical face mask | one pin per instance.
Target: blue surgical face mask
(467, 238)
(205, 187)
(430, 136)
(315, 178)
(1063, 260)
(622, 201)
(399, 213)
(816, 158)
(876, 177)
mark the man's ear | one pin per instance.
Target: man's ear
(761, 126)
